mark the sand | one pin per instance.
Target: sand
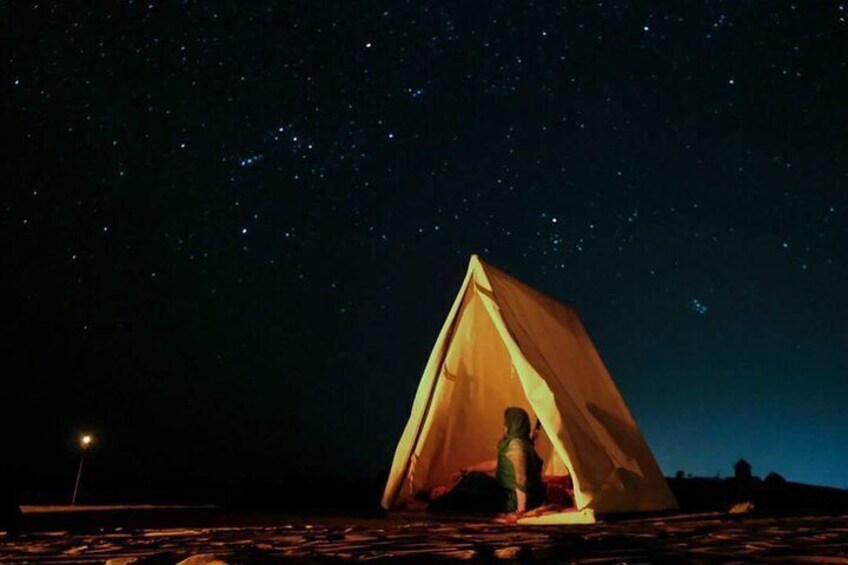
(245, 538)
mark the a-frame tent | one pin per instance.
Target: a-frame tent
(506, 344)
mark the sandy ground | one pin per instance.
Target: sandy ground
(116, 537)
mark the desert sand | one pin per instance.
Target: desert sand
(241, 538)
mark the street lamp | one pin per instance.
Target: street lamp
(85, 442)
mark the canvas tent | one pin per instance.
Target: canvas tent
(506, 344)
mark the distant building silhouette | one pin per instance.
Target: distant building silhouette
(679, 475)
(742, 470)
(774, 479)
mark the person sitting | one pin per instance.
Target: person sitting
(517, 483)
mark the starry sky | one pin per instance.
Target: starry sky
(232, 231)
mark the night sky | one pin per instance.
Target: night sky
(231, 232)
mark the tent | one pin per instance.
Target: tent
(506, 344)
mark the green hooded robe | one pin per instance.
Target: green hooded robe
(519, 467)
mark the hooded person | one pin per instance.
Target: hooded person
(519, 468)
(512, 483)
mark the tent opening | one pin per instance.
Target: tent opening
(476, 383)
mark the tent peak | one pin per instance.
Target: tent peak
(476, 261)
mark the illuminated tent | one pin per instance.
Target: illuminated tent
(506, 344)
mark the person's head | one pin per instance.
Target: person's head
(516, 423)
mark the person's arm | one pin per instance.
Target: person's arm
(488, 467)
(483, 466)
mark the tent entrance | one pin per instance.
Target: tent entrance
(477, 381)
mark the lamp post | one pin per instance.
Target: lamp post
(85, 442)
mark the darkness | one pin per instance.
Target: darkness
(231, 232)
